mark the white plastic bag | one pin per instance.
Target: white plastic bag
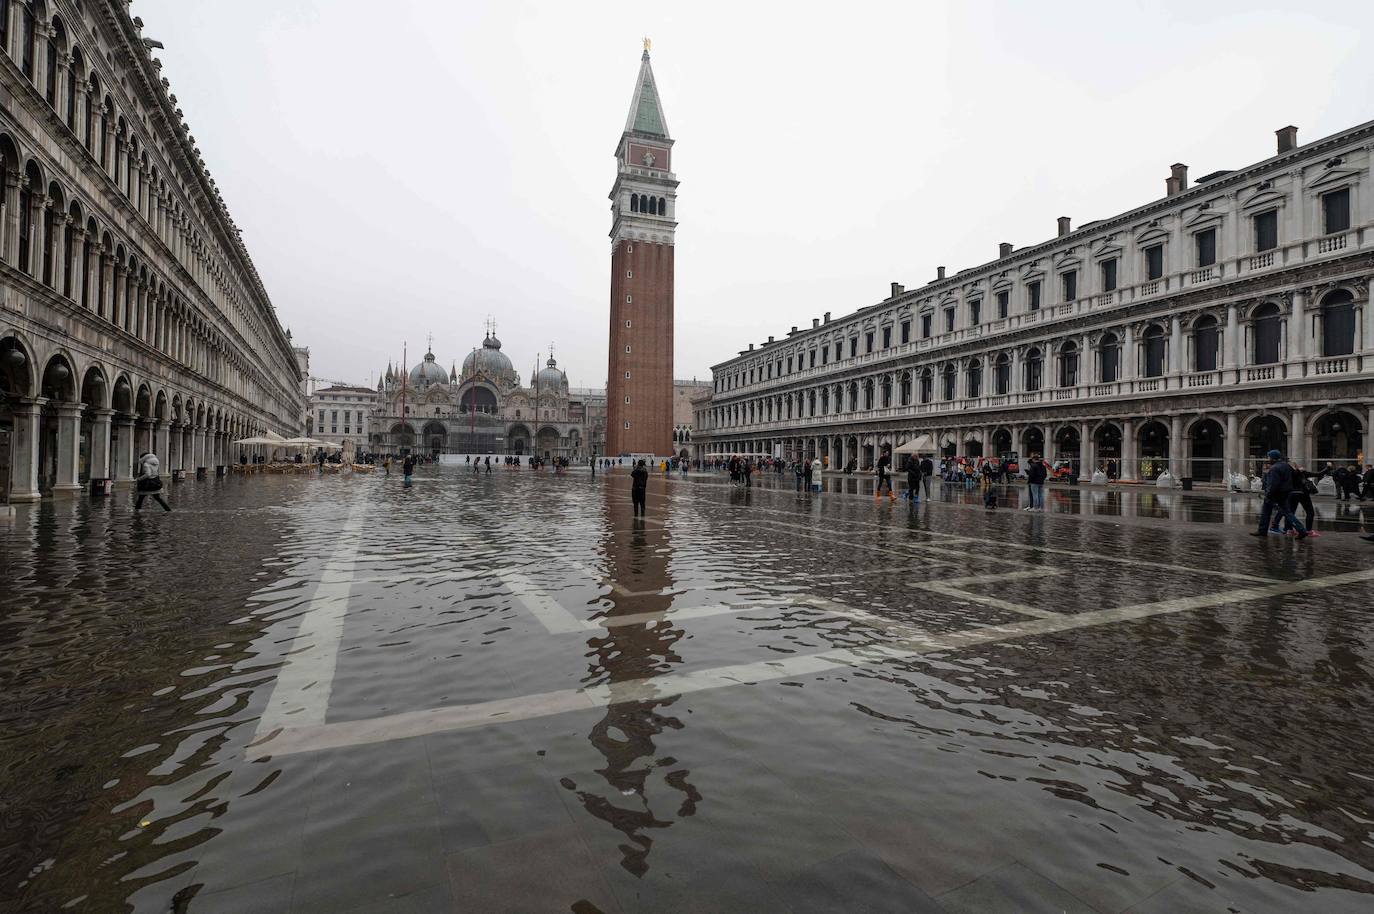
(1165, 480)
(1256, 484)
(1099, 478)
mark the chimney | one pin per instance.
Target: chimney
(1179, 172)
(827, 317)
(1170, 186)
(815, 322)
(897, 289)
(770, 339)
(939, 272)
(794, 329)
(1004, 250)
(1288, 137)
(751, 347)
(1065, 226)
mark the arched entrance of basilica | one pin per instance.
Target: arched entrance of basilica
(435, 437)
(546, 442)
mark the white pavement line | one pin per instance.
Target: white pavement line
(300, 695)
(550, 613)
(955, 587)
(462, 717)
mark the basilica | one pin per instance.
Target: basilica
(483, 408)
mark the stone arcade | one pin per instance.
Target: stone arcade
(131, 316)
(1192, 333)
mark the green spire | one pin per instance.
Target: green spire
(646, 112)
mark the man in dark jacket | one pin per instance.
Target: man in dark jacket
(1278, 484)
(1035, 482)
(913, 478)
(639, 485)
(927, 471)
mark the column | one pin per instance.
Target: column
(123, 467)
(1177, 361)
(24, 452)
(202, 439)
(81, 88)
(41, 30)
(119, 307)
(1231, 446)
(1231, 341)
(1297, 329)
(75, 257)
(1087, 461)
(1176, 446)
(1128, 357)
(58, 254)
(36, 228)
(15, 31)
(1297, 439)
(1130, 461)
(11, 243)
(68, 447)
(162, 444)
(100, 443)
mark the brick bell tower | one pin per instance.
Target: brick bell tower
(639, 385)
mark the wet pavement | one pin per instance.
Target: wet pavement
(502, 693)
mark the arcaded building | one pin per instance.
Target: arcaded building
(131, 316)
(1194, 333)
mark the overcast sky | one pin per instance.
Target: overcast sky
(406, 167)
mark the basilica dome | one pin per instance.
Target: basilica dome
(489, 360)
(551, 377)
(428, 372)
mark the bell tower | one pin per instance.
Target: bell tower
(639, 382)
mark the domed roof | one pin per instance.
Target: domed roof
(428, 372)
(489, 360)
(551, 376)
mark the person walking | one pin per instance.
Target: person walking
(639, 486)
(927, 471)
(1278, 485)
(1304, 487)
(149, 481)
(884, 473)
(1035, 482)
(913, 480)
(407, 468)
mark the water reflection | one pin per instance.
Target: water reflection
(635, 553)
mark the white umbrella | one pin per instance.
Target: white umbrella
(259, 439)
(917, 445)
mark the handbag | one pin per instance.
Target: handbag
(149, 484)
(1309, 486)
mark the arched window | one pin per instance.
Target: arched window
(1109, 356)
(868, 394)
(30, 41)
(104, 156)
(1267, 330)
(1001, 374)
(57, 39)
(906, 388)
(887, 391)
(1068, 365)
(975, 379)
(634, 203)
(947, 382)
(26, 219)
(926, 386)
(1206, 338)
(1035, 370)
(1338, 323)
(662, 207)
(1154, 351)
(853, 396)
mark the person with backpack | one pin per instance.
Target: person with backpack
(639, 486)
(149, 481)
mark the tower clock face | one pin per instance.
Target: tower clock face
(649, 158)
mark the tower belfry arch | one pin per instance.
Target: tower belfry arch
(639, 394)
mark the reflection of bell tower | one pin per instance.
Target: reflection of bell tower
(639, 385)
(623, 660)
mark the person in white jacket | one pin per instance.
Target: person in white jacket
(149, 481)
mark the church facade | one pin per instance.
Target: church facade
(485, 408)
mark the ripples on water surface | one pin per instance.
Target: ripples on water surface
(1212, 759)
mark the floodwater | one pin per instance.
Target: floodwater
(503, 693)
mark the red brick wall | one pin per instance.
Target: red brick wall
(650, 360)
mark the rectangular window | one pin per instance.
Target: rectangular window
(825, 355)
(627, 376)
(906, 331)
(975, 312)
(1109, 275)
(627, 349)
(333, 415)
(1003, 303)
(812, 359)
(1071, 285)
(627, 398)
(1206, 242)
(628, 299)
(887, 337)
(1154, 261)
(1336, 210)
(853, 347)
(1033, 296)
(925, 326)
(839, 351)
(868, 341)
(789, 364)
(1267, 231)
(949, 320)
(627, 423)
(627, 324)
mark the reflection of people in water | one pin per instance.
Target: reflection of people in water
(626, 655)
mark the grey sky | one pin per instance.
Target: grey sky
(401, 167)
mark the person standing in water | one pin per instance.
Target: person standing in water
(639, 485)
(149, 481)
(407, 468)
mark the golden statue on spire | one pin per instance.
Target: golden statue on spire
(648, 43)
